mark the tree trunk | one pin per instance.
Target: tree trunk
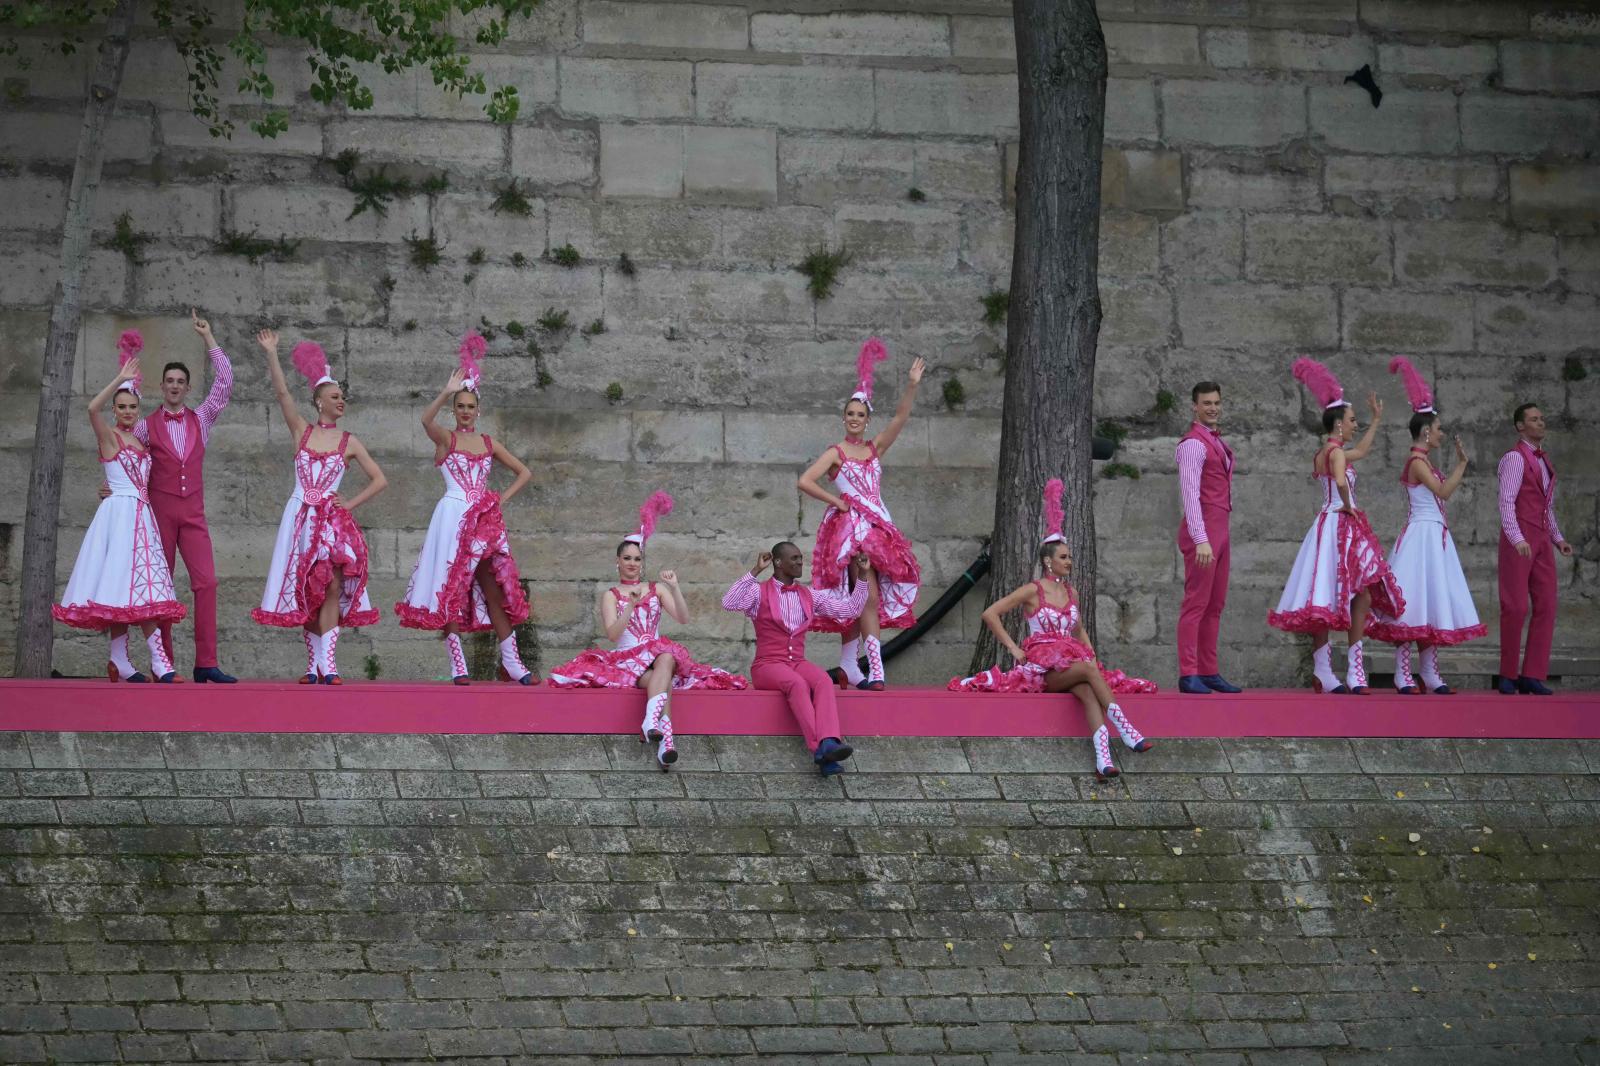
(35, 630)
(1054, 321)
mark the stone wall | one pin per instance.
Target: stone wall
(301, 898)
(1256, 208)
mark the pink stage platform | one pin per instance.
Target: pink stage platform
(392, 707)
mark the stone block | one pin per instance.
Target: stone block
(182, 134)
(646, 231)
(958, 171)
(1389, 320)
(775, 237)
(1228, 315)
(1468, 63)
(626, 88)
(968, 442)
(1528, 125)
(1384, 183)
(1548, 66)
(166, 281)
(1527, 323)
(29, 279)
(898, 302)
(467, 146)
(641, 161)
(34, 202)
(463, 222)
(1205, 245)
(946, 102)
(1473, 253)
(35, 136)
(824, 98)
(321, 213)
(851, 34)
(1234, 114)
(1129, 244)
(563, 156)
(1151, 44)
(1137, 314)
(336, 288)
(688, 26)
(1130, 110)
(979, 37)
(1252, 186)
(162, 210)
(1470, 18)
(1569, 22)
(714, 298)
(734, 166)
(674, 437)
(1556, 197)
(1230, 48)
(1313, 248)
(899, 235)
(1580, 263)
(532, 76)
(1141, 180)
(156, 73)
(1407, 123)
(823, 170)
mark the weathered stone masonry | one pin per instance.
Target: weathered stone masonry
(1256, 208)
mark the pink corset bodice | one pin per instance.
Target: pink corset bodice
(128, 473)
(645, 622)
(1052, 619)
(317, 474)
(466, 476)
(862, 480)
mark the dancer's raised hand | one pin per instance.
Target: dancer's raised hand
(268, 339)
(669, 577)
(763, 560)
(1376, 405)
(917, 367)
(1461, 451)
(202, 327)
(457, 379)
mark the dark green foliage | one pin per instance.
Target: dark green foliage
(519, 260)
(1112, 471)
(595, 328)
(126, 240)
(1115, 432)
(374, 190)
(821, 268)
(515, 328)
(410, 325)
(625, 266)
(553, 320)
(614, 392)
(486, 328)
(476, 257)
(916, 195)
(424, 251)
(373, 667)
(955, 393)
(255, 248)
(1573, 369)
(435, 185)
(566, 256)
(996, 306)
(510, 199)
(1165, 402)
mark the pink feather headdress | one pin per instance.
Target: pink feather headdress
(1324, 387)
(1055, 515)
(1417, 390)
(312, 362)
(471, 353)
(872, 353)
(657, 507)
(129, 345)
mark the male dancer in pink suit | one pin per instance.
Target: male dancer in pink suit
(1205, 480)
(1529, 539)
(176, 437)
(782, 610)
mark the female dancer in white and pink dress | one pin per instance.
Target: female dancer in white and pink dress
(120, 577)
(1439, 609)
(318, 577)
(1057, 655)
(465, 580)
(857, 522)
(1339, 574)
(630, 612)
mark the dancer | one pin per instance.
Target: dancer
(1529, 539)
(630, 613)
(120, 577)
(1339, 574)
(1439, 609)
(857, 521)
(176, 438)
(465, 580)
(783, 611)
(1057, 655)
(1205, 478)
(318, 577)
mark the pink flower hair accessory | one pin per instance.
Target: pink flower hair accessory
(1320, 382)
(657, 507)
(312, 362)
(1417, 390)
(129, 345)
(872, 353)
(1055, 515)
(471, 352)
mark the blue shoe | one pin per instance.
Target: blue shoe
(1529, 686)
(167, 678)
(1192, 684)
(1444, 690)
(137, 679)
(831, 750)
(214, 674)
(1505, 686)
(829, 769)
(870, 686)
(1218, 683)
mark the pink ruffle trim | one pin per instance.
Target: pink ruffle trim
(1394, 633)
(1360, 566)
(98, 616)
(316, 575)
(611, 668)
(1047, 652)
(892, 560)
(483, 523)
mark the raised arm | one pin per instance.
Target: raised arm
(437, 433)
(221, 376)
(1364, 445)
(104, 436)
(831, 603)
(516, 466)
(376, 482)
(745, 594)
(671, 597)
(268, 339)
(1026, 596)
(902, 412)
(807, 482)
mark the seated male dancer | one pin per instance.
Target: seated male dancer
(782, 610)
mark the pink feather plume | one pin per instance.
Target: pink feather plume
(309, 358)
(657, 507)
(1320, 381)
(129, 345)
(872, 353)
(1417, 390)
(1055, 515)
(473, 346)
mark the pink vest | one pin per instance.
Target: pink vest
(1533, 499)
(774, 642)
(171, 473)
(1216, 477)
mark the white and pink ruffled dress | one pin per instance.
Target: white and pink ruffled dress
(1438, 603)
(1050, 645)
(315, 536)
(1339, 557)
(640, 644)
(121, 576)
(467, 528)
(865, 527)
